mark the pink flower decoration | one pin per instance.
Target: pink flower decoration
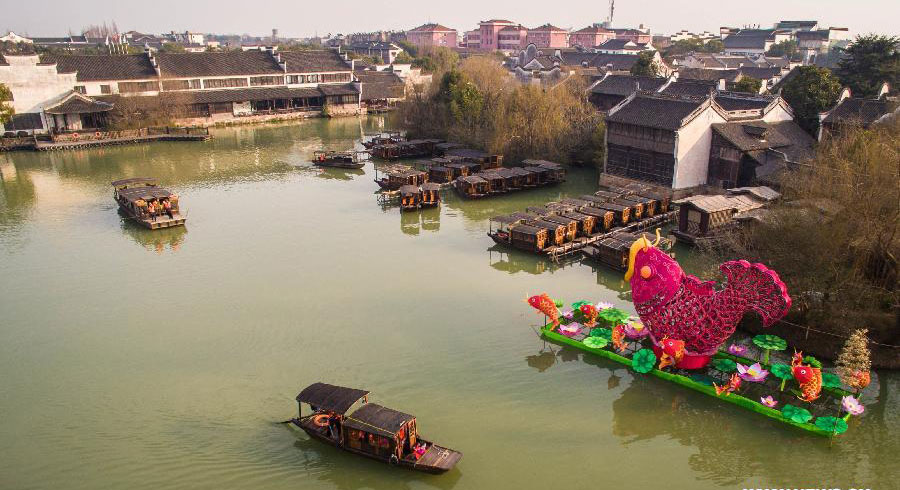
(768, 401)
(570, 329)
(603, 305)
(852, 406)
(737, 349)
(634, 329)
(568, 314)
(753, 373)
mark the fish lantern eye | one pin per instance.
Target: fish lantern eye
(646, 272)
(803, 372)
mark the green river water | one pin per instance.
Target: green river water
(150, 360)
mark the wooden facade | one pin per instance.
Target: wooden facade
(641, 153)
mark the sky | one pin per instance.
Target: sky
(302, 18)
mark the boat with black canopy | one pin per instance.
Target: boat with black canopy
(142, 200)
(339, 159)
(371, 430)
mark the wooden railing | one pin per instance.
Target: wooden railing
(76, 136)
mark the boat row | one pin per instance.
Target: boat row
(413, 197)
(579, 221)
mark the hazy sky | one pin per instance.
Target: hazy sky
(299, 18)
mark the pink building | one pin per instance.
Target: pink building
(634, 35)
(548, 36)
(590, 37)
(432, 35)
(489, 33)
(512, 38)
(472, 39)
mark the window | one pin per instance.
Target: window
(80, 89)
(312, 78)
(104, 89)
(294, 79)
(131, 87)
(257, 81)
(224, 82)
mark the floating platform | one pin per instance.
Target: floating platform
(702, 381)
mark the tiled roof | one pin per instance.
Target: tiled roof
(655, 112)
(812, 35)
(217, 64)
(547, 27)
(707, 74)
(691, 88)
(343, 89)
(320, 60)
(431, 27)
(627, 84)
(733, 101)
(592, 30)
(760, 73)
(614, 62)
(99, 68)
(615, 44)
(750, 38)
(495, 21)
(380, 85)
(785, 136)
(862, 111)
(76, 103)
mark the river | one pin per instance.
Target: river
(149, 360)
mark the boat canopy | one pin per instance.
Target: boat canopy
(431, 186)
(330, 397)
(409, 190)
(132, 194)
(134, 181)
(375, 419)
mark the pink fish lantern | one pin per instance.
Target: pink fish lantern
(768, 401)
(570, 329)
(852, 406)
(753, 373)
(635, 329)
(737, 349)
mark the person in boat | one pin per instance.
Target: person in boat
(151, 208)
(419, 451)
(167, 206)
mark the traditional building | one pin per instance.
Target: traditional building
(610, 90)
(637, 36)
(385, 51)
(814, 43)
(590, 37)
(857, 112)
(754, 41)
(380, 89)
(622, 46)
(686, 141)
(431, 36)
(202, 86)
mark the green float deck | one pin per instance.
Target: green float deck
(732, 398)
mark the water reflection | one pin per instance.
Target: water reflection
(413, 222)
(17, 193)
(340, 173)
(159, 241)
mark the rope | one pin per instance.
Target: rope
(810, 329)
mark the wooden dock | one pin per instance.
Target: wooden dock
(128, 140)
(558, 252)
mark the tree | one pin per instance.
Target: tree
(685, 46)
(868, 62)
(787, 48)
(812, 91)
(6, 110)
(645, 65)
(748, 85)
(171, 48)
(403, 58)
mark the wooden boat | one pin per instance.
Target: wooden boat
(484, 159)
(141, 200)
(472, 187)
(410, 197)
(556, 171)
(339, 159)
(570, 224)
(555, 231)
(431, 195)
(511, 231)
(385, 138)
(395, 177)
(372, 431)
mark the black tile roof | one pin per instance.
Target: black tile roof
(735, 101)
(862, 111)
(78, 104)
(217, 64)
(691, 88)
(627, 84)
(380, 85)
(749, 38)
(785, 136)
(656, 112)
(760, 72)
(100, 68)
(314, 61)
(707, 74)
(615, 44)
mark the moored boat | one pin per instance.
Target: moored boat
(372, 431)
(339, 159)
(142, 200)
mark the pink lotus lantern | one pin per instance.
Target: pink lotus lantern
(753, 373)
(852, 406)
(603, 305)
(768, 401)
(570, 329)
(634, 329)
(737, 349)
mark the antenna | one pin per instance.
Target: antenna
(612, 9)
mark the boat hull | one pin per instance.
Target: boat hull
(435, 461)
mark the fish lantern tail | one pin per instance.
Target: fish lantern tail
(758, 288)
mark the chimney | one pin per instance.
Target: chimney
(152, 59)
